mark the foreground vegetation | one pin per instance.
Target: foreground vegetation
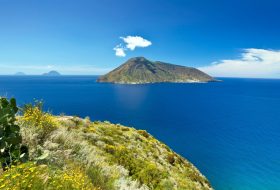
(66, 152)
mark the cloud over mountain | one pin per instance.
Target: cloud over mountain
(119, 51)
(135, 41)
(254, 63)
(130, 43)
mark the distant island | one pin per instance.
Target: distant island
(140, 70)
(20, 74)
(52, 73)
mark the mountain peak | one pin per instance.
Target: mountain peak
(138, 59)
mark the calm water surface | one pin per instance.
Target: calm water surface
(229, 130)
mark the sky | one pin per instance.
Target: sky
(238, 38)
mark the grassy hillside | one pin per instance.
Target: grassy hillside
(67, 152)
(139, 70)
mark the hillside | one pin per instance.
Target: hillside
(67, 152)
(140, 70)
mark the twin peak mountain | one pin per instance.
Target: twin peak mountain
(140, 70)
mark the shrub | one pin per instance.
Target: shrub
(90, 129)
(31, 176)
(77, 121)
(99, 180)
(171, 158)
(144, 133)
(151, 175)
(11, 149)
(24, 176)
(33, 116)
(125, 129)
(146, 172)
(73, 178)
(110, 149)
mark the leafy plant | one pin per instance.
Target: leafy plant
(11, 149)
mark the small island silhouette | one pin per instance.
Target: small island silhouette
(52, 73)
(20, 74)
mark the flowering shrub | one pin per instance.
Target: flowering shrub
(33, 116)
(31, 176)
(73, 178)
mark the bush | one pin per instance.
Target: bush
(33, 116)
(144, 133)
(31, 176)
(151, 175)
(110, 149)
(146, 172)
(99, 180)
(73, 178)
(171, 158)
(11, 149)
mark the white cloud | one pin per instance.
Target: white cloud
(119, 51)
(135, 41)
(258, 63)
(130, 43)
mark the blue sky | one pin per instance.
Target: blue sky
(78, 37)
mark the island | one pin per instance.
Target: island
(20, 74)
(140, 70)
(52, 73)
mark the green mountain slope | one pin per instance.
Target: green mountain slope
(140, 70)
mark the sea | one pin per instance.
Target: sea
(229, 130)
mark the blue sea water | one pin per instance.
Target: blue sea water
(230, 130)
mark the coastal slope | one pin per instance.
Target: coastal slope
(140, 70)
(135, 156)
(68, 152)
